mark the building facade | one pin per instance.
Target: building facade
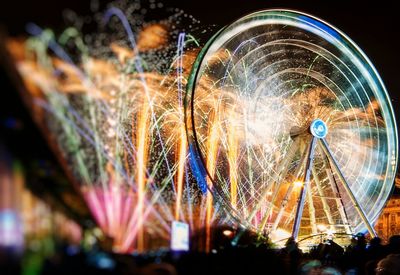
(388, 223)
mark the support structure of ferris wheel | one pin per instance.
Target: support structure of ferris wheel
(316, 135)
(319, 130)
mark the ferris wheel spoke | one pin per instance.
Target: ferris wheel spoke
(279, 176)
(338, 198)
(321, 193)
(311, 209)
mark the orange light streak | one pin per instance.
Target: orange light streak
(181, 169)
(212, 149)
(232, 160)
(141, 158)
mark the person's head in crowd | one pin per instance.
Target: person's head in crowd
(312, 267)
(394, 240)
(376, 241)
(389, 265)
(361, 240)
(330, 271)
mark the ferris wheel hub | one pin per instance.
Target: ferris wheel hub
(318, 128)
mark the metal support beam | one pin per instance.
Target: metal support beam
(303, 191)
(325, 204)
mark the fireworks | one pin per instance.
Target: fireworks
(115, 109)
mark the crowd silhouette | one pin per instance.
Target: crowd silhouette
(247, 256)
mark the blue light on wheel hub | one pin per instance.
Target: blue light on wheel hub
(318, 128)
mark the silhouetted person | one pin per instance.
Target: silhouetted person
(375, 249)
(334, 252)
(375, 253)
(355, 255)
(389, 265)
(393, 246)
(291, 256)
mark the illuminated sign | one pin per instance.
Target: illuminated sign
(180, 236)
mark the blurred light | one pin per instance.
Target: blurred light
(321, 227)
(298, 183)
(97, 232)
(279, 235)
(102, 261)
(72, 250)
(13, 123)
(11, 234)
(91, 240)
(330, 232)
(227, 233)
(179, 236)
(105, 263)
(35, 245)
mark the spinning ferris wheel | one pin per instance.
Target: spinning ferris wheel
(291, 126)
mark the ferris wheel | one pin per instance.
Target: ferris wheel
(291, 126)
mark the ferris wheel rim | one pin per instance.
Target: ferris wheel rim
(381, 94)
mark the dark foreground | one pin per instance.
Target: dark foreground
(359, 257)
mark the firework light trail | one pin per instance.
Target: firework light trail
(113, 102)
